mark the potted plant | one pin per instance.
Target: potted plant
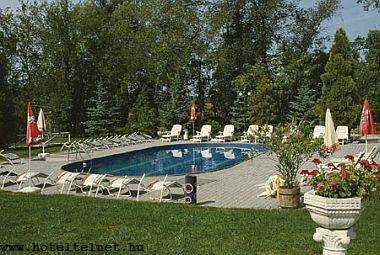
(290, 146)
(338, 192)
(336, 201)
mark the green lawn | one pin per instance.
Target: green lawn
(168, 228)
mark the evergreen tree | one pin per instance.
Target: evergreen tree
(239, 114)
(302, 108)
(142, 116)
(101, 116)
(339, 91)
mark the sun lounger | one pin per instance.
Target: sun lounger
(204, 134)
(90, 182)
(11, 158)
(342, 133)
(161, 187)
(319, 132)
(250, 134)
(174, 133)
(6, 175)
(64, 179)
(270, 186)
(118, 184)
(226, 135)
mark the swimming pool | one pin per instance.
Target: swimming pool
(170, 159)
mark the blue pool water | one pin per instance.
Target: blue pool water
(170, 159)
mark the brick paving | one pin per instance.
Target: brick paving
(235, 187)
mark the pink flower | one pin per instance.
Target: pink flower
(331, 183)
(320, 184)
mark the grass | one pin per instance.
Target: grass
(169, 228)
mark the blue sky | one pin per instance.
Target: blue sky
(351, 17)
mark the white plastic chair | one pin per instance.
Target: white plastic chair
(227, 134)
(174, 133)
(205, 133)
(250, 133)
(342, 133)
(319, 132)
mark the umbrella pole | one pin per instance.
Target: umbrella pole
(193, 128)
(30, 157)
(366, 144)
(43, 144)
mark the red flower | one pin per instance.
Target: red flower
(350, 157)
(342, 166)
(344, 174)
(316, 161)
(375, 167)
(364, 163)
(330, 165)
(314, 172)
(304, 172)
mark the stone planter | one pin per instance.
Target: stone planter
(335, 216)
(333, 213)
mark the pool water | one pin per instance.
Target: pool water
(171, 159)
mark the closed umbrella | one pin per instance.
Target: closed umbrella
(330, 138)
(33, 135)
(193, 114)
(367, 123)
(41, 124)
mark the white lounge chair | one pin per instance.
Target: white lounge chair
(319, 132)
(268, 129)
(174, 133)
(30, 177)
(204, 134)
(89, 182)
(160, 186)
(62, 180)
(6, 175)
(226, 135)
(342, 133)
(10, 157)
(118, 184)
(250, 133)
(270, 186)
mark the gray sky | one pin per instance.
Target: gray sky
(351, 17)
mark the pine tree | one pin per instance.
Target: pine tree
(339, 91)
(101, 116)
(240, 113)
(303, 106)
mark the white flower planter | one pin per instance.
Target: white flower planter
(335, 216)
(333, 213)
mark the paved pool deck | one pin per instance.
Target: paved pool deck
(235, 187)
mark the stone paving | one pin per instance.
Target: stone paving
(235, 187)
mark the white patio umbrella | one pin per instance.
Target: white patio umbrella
(41, 124)
(330, 138)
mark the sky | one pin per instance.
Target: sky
(351, 17)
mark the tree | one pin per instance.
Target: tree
(142, 116)
(339, 91)
(303, 106)
(370, 4)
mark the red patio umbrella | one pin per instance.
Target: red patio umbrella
(193, 114)
(367, 123)
(33, 135)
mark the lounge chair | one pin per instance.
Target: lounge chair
(342, 133)
(226, 135)
(268, 129)
(160, 186)
(89, 182)
(6, 175)
(10, 157)
(117, 184)
(250, 133)
(204, 134)
(174, 133)
(270, 186)
(62, 180)
(319, 132)
(29, 177)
